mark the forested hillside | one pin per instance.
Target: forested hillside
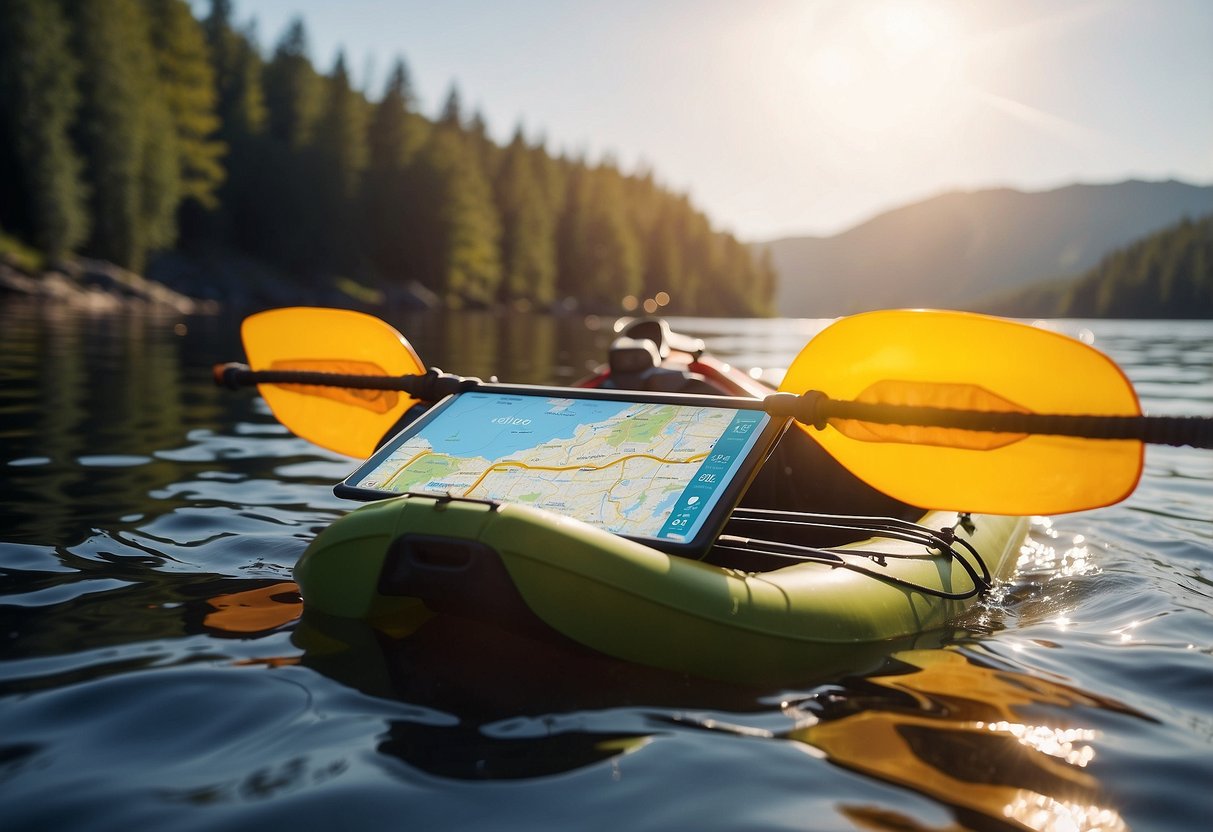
(129, 128)
(1165, 275)
(957, 249)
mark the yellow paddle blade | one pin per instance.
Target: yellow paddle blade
(965, 361)
(337, 341)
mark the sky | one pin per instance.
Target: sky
(792, 117)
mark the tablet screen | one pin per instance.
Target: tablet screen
(646, 469)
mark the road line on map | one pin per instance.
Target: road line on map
(405, 466)
(518, 464)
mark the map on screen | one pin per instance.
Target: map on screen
(640, 469)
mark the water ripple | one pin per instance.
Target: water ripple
(157, 669)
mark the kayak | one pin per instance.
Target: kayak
(813, 568)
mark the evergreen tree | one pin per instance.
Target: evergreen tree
(341, 135)
(458, 254)
(159, 181)
(246, 203)
(701, 263)
(238, 78)
(528, 241)
(290, 216)
(644, 203)
(611, 261)
(388, 209)
(42, 195)
(188, 84)
(737, 277)
(664, 271)
(452, 110)
(598, 254)
(765, 287)
(551, 175)
(572, 232)
(487, 153)
(392, 139)
(341, 152)
(125, 132)
(293, 90)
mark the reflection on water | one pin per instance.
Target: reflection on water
(991, 742)
(156, 668)
(521, 347)
(87, 409)
(985, 739)
(255, 610)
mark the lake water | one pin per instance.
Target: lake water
(155, 672)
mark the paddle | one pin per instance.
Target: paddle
(994, 368)
(1032, 422)
(345, 418)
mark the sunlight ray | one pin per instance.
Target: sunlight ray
(1075, 134)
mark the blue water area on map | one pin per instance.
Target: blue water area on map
(662, 509)
(496, 426)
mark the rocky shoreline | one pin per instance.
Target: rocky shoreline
(199, 284)
(98, 286)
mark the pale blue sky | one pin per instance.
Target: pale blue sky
(806, 116)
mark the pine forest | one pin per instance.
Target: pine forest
(130, 129)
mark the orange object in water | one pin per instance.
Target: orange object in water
(255, 610)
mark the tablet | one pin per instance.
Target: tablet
(662, 469)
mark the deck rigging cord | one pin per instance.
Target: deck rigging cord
(942, 541)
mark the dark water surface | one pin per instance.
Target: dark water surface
(155, 671)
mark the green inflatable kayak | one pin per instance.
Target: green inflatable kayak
(814, 570)
(814, 592)
(832, 550)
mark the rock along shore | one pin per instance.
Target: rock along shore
(99, 286)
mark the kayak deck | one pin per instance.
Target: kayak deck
(530, 570)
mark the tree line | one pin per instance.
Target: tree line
(1168, 274)
(130, 127)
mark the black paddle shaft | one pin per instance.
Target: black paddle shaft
(812, 408)
(817, 409)
(428, 387)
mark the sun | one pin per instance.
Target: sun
(909, 30)
(881, 65)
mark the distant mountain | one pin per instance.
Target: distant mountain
(1165, 275)
(953, 250)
